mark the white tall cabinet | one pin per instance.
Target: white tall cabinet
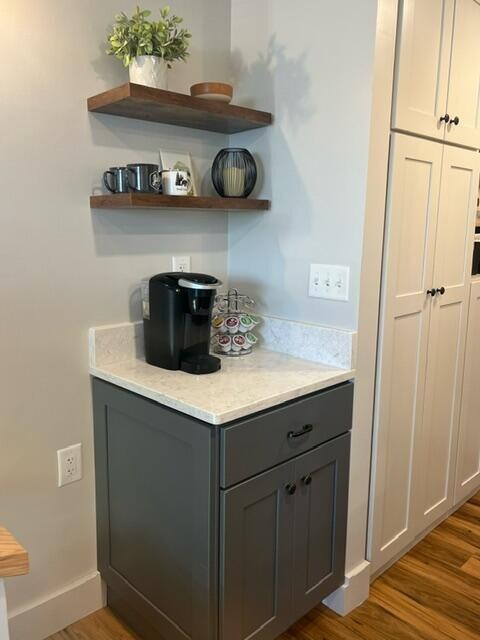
(437, 72)
(468, 460)
(428, 251)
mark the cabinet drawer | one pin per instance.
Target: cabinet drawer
(263, 441)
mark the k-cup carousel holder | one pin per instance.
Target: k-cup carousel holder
(233, 324)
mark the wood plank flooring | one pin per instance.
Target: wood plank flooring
(432, 593)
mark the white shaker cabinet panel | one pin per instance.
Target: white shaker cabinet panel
(422, 66)
(448, 322)
(464, 86)
(412, 209)
(468, 460)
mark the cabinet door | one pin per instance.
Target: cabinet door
(156, 515)
(320, 523)
(468, 460)
(446, 349)
(412, 208)
(422, 66)
(464, 88)
(255, 583)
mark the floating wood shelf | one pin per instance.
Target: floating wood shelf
(155, 105)
(153, 201)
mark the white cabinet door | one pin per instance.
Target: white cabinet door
(422, 66)
(415, 168)
(446, 349)
(464, 87)
(468, 460)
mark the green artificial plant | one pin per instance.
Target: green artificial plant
(138, 36)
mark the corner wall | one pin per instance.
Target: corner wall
(65, 268)
(311, 64)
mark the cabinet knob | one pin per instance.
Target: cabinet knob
(455, 121)
(441, 291)
(445, 118)
(432, 292)
(290, 488)
(307, 480)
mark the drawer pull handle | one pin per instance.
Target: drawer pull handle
(290, 488)
(307, 480)
(298, 434)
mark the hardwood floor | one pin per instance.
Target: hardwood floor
(432, 593)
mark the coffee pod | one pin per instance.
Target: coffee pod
(238, 342)
(246, 323)
(251, 339)
(218, 323)
(225, 343)
(255, 320)
(232, 324)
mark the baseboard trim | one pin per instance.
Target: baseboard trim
(353, 592)
(45, 617)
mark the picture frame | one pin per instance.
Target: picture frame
(181, 161)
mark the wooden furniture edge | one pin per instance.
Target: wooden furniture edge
(13, 557)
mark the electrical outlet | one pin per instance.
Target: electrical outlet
(329, 281)
(69, 464)
(181, 263)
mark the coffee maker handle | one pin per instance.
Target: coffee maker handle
(188, 284)
(105, 181)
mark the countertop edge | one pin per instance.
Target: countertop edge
(228, 416)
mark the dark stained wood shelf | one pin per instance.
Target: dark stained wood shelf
(153, 201)
(155, 105)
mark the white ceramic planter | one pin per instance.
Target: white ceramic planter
(150, 71)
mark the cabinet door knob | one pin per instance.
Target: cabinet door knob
(290, 488)
(303, 432)
(455, 121)
(441, 291)
(307, 480)
(432, 292)
(445, 118)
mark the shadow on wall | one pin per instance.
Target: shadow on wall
(280, 83)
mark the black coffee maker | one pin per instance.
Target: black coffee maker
(177, 313)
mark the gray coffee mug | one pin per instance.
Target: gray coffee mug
(144, 178)
(119, 180)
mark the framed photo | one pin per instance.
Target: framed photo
(179, 161)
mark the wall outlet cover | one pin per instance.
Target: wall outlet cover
(69, 464)
(182, 263)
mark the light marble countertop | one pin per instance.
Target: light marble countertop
(242, 387)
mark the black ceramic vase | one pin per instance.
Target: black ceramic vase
(234, 173)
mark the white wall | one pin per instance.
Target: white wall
(311, 64)
(64, 268)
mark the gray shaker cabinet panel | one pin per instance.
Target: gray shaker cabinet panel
(157, 500)
(184, 558)
(260, 442)
(256, 556)
(283, 553)
(320, 523)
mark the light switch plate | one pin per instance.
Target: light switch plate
(69, 462)
(181, 263)
(329, 281)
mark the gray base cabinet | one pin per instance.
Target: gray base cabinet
(196, 541)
